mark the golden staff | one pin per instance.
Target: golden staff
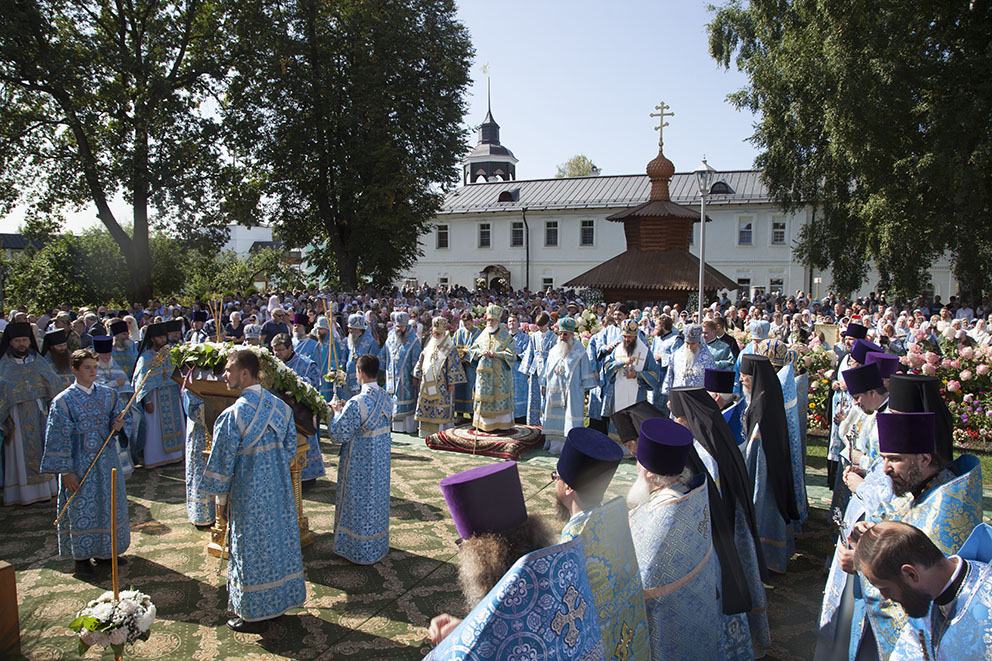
(158, 361)
(113, 532)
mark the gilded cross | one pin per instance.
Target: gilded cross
(622, 652)
(661, 115)
(575, 610)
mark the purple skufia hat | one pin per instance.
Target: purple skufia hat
(719, 381)
(861, 348)
(485, 499)
(862, 379)
(857, 331)
(887, 363)
(103, 344)
(663, 446)
(300, 318)
(905, 433)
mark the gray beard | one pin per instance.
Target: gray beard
(640, 492)
(747, 392)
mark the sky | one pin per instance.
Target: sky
(583, 77)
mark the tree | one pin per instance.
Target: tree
(100, 98)
(350, 114)
(578, 166)
(879, 115)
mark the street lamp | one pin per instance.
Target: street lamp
(704, 182)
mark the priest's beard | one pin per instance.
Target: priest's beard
(645, 485)
(401, 336)
(105, 363)
(914, 478)
(915, 602)
(746, 391)
(562, 513)
(17, 353)
(483, 559)
(630, 344)
(566, 346)
(60, 359)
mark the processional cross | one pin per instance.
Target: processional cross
(661, 115)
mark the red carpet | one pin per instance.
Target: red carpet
(505, 444)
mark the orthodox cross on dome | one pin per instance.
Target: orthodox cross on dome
(661, 115)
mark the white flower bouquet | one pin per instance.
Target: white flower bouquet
(114, 623)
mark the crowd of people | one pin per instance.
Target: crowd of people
(712, 409)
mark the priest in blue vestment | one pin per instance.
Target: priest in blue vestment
(464, 339)
(690, 362)
(567, 377)
(944, 501)
(674, 551)
(360, 343)
(490, 516)
(629, 373)
(109, 374)
(282, 347)
(125, 350)
(769, 461)
(588, 460)
(601, 345)
(164, 424)
(759, 330)
(27, 386)
(55, 349)
(327, 352)
(720, 385)
(532, 364)
(196, 334)
(254, 443)
(200, 507)
(361, 510)
(521, 341)
(439, 370)
(398, 358)
(79, 421)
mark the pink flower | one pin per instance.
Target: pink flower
(946, 363)
(808, 360)
(956, 364)
(929, 369)
(931, 357)
(967, 353)
(966, 375)
(969, 397)
(953, 386)
(982, 369)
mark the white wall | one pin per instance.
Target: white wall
(241, 238)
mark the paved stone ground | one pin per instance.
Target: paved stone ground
(377, 612)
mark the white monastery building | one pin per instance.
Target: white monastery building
(541, 233)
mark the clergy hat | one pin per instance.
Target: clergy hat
(322, 323)
(749, 360)
(103, 344)
(567, 325)
(119, 327)
(199, 315)
(759, 329)
(400, 318)
(300, 318)
(905, 433)
(721, 381)
(857, 331)
(911, 393)
(252, 331)
(663, 447)
(157, 330)
(859, 351)
(628, 420)
(693, 333)
(587, 463)
(776, 351)
(629, 328)
(357, 321)
(862, 379)
(494, 311)
(485, 499)
(887, 363)
(15, 330)
(173, 326)
(439, 324)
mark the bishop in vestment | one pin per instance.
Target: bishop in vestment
(254, 443)
(492, 398)
(361, 512)
(439, 371)
(81, 418)
(399, 357)
(567, 376)
(360, 343)
(27, 385)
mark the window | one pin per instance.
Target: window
(551, 233)
(776, 285)
(547, 283)
(744, 284)
(442, 282)
(759, 291)
(485, 235)
(778, 231)
(587, 233)
(442, 236)
(692, 235)
(516, 235)
(745, 230)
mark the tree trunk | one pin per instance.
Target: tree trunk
(139, 263)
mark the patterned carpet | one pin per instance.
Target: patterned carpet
(377, 612)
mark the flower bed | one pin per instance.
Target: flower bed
(819, 362)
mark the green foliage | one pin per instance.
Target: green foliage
(878, 114)
(101, 99)
(349, 114)
(578, 166)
